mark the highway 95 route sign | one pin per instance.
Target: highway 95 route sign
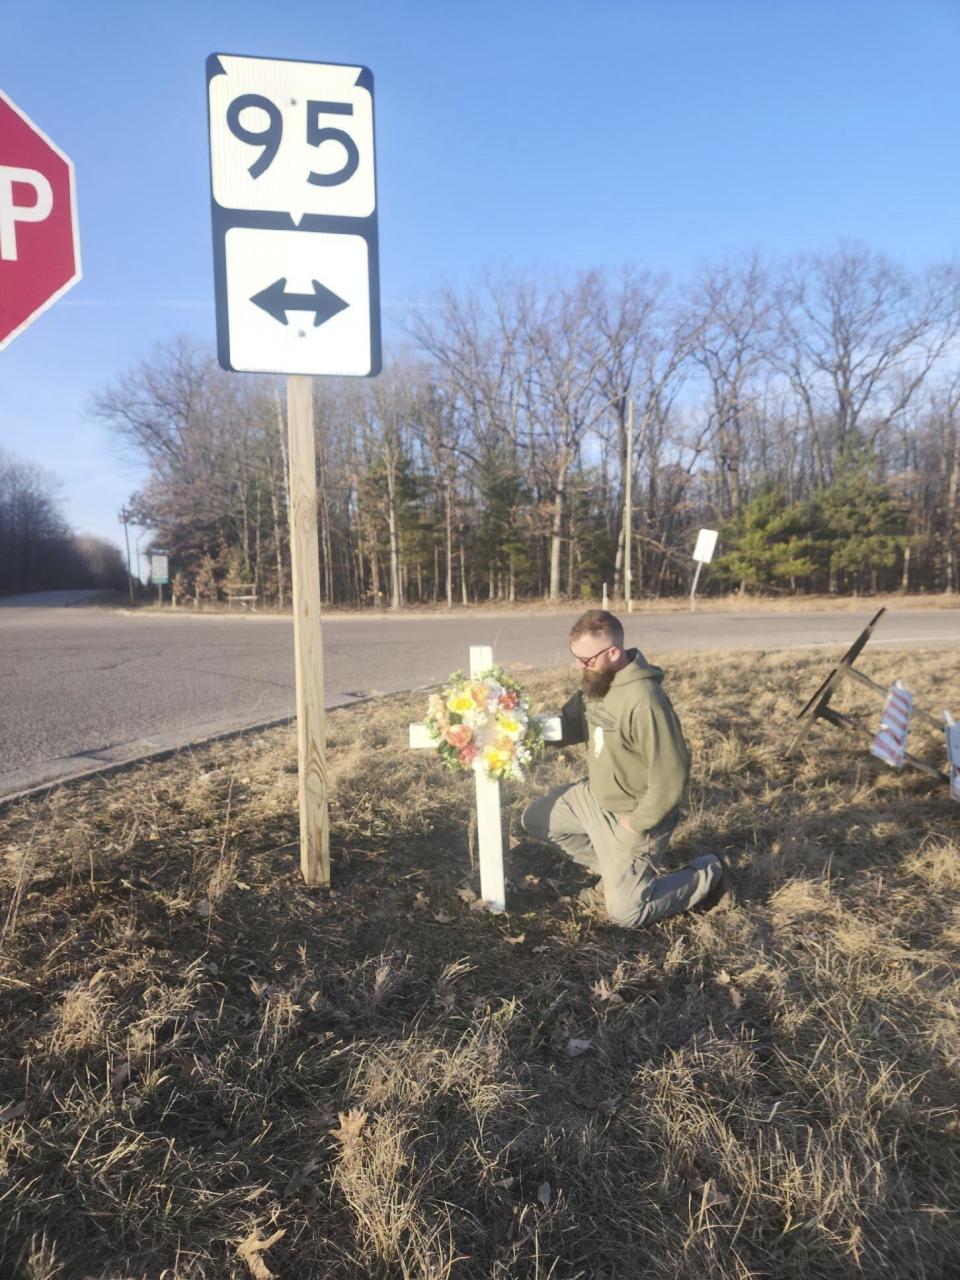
(294, 202)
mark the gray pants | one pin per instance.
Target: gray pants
(633, 892)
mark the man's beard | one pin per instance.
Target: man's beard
(595, 684)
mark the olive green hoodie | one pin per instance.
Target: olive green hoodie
(637, 760)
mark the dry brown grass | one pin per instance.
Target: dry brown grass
(734, 602)
(207, 1071)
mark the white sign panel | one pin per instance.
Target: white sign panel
(706, 545)
(159, 569)
(294, 216)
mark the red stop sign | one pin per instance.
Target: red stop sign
(39, 245)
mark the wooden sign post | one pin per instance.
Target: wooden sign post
(307, 635)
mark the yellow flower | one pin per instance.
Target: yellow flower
(508, 724)
(496, 760)
(460, 702)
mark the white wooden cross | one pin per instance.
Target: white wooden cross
(489, 823)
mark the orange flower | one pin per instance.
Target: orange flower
(459, 736)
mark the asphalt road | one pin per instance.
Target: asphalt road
(84, 688)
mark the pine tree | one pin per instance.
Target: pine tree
(769, 543)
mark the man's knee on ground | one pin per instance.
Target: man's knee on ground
(529, 819)
(628, 912)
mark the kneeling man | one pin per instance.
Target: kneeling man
(618, 820)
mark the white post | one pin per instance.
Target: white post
(693, 589)
(489, 825)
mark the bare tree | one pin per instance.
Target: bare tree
(733, 329)
(857, 337)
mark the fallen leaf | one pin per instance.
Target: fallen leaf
(515, 941)
(251, 1248)
(421, 902)
(576, 1047)
(723, 978)
(690, 1174)
(466, 895)
(602, 990)
(351, 1122)
(203, 907)
(736, 997)
(189, 1065)
(531, 881)
(544, 1194)
(443, 917)
(121, 1075)
(13, 1111)
(712, 1198)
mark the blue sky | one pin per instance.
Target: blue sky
(547, 135)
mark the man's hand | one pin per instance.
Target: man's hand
(626, 825)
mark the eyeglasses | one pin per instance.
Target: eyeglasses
(588, 662)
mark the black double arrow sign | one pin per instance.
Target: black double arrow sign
(275, 300)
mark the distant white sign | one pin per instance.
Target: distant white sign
(706, 545)
(294, 206)
(159, 569)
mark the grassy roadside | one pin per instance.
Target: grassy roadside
(672, 604)
(207, 1071)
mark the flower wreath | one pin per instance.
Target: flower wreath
(483, 722)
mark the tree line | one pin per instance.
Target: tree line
(38, 550)
(809, 408)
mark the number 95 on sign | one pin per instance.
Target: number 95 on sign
(298, 137)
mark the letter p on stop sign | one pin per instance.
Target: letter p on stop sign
(39, 243)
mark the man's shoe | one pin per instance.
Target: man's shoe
(715, 883)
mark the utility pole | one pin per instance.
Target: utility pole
(124, 518)
(628, 514)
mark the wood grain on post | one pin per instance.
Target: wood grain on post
(308, 638)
